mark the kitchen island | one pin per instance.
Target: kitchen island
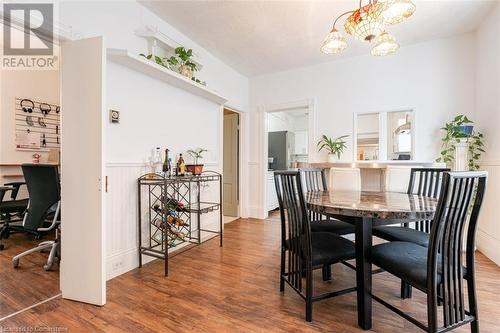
(373, 173)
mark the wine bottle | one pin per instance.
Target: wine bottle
(170, 170)
(166, 164)
(182, 165)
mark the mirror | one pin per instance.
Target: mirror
(399, 135)
(368, 137)
(385, 136)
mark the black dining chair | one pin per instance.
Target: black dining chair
(438, 270)
(315, 180)
(302, 250)
(426, 182)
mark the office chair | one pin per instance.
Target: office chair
(44, 209)
(10, 210)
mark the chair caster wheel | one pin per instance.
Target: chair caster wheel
(2, 247)
(47, 267)
(15, 263)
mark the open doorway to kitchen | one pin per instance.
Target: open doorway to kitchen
(287, 139)
(231, 165)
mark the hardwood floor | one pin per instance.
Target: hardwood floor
(29, 283)
(236, 289)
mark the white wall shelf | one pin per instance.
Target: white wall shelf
(157, 39)
(150, 68)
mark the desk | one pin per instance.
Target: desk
(365, 210)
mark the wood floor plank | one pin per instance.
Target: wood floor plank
(236, 289)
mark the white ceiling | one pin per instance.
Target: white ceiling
(259, 37)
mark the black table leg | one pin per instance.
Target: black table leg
(364, 271)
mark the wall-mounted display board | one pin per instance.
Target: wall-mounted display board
(37, 125)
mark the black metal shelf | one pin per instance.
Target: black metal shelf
(172, 207)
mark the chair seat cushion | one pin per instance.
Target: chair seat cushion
(14, 206)
(403, 234)
(328, 248)
(405, 260)
(333, 226)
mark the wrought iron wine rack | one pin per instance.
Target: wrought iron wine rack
(172, 207)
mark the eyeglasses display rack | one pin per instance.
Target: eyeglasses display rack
(170, 210)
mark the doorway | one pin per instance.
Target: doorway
(30, 127)
(287, 134)
(231, 165)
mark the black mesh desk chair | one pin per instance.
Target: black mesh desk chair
(12, 209)
(44, 209)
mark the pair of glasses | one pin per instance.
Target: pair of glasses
(27, 105)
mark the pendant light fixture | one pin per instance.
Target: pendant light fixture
(368, 23)
(384, 44)
(334, 43)
(395, 11)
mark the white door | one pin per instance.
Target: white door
(230, 166)
(82, 271)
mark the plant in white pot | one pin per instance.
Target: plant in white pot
(334, 147)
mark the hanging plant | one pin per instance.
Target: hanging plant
(458, 129)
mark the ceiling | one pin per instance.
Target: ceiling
(259, 37)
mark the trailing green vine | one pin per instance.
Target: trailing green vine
(454, 134)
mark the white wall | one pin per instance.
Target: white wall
(436, 78)
(152, 113)
(487, 118)
(36, 85)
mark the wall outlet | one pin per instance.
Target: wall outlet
(118, 264)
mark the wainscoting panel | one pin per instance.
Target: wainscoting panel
(488, 234)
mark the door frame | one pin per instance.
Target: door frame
(262, 111)
(242, 153)
(238, 208)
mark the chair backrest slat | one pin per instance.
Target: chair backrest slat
(296, 230)
(457, 215)
(313, 180)
(426, 182)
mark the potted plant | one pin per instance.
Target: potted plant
(196, 154)
(334, 147)
(461, 130)
(182, 58)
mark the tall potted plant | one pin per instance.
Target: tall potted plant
(334, 147)
(196, 155)
(460, 129)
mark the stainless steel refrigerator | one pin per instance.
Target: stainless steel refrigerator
(280, 148)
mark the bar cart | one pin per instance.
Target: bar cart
(172, 207)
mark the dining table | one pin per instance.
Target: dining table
(366, 209)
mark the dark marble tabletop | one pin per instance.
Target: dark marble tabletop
(378, 205)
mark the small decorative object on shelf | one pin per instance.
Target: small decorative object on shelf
(181, 62)
(166, 164)
(170, 211)
(334, 147)
(196, 154)
(181, 166)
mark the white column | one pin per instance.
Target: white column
(461, 156)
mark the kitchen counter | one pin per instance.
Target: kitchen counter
(374, 164)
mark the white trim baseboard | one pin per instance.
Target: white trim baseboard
(124, 261)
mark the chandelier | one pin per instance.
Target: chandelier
(369, 23)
